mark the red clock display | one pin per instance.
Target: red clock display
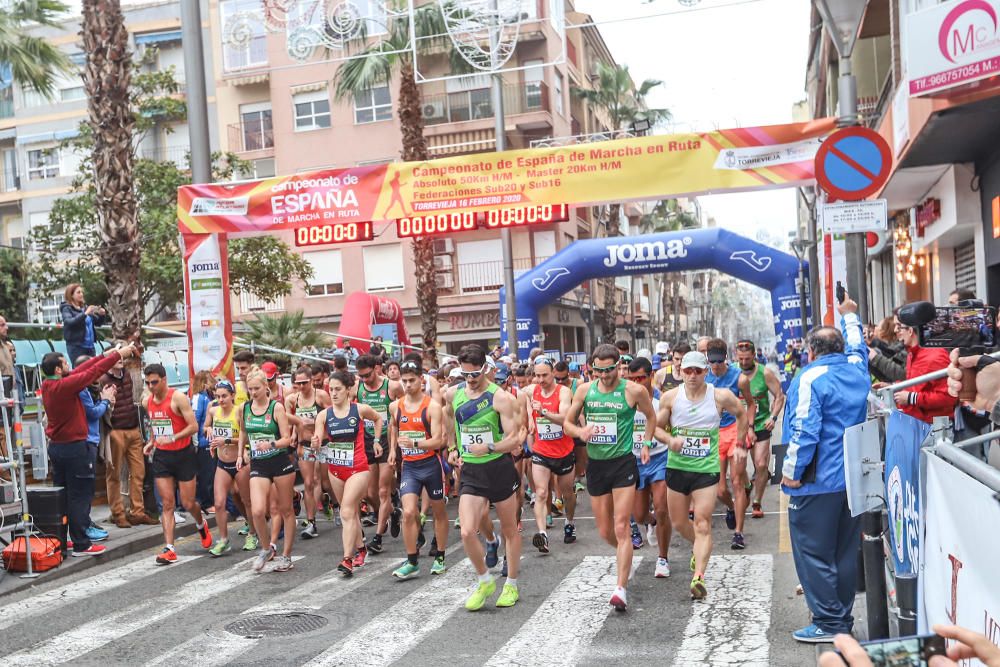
(340, 232)
(450, 223)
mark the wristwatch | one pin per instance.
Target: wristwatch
(491, 447)
(648, 444)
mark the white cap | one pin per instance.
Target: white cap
(455, 373)
(663, 347)
(694, 359)
(507, 359)
(490, 363)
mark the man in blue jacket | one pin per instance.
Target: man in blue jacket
(826, 397)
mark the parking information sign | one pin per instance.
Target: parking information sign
(855, 216)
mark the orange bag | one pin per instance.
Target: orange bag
(46, 553)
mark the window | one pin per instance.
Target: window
(328, 273)
(256, 130)
(372, 105)
(253, 54)
(545, 245)
(312, 14)
(312, 110)
(383, 267)
(15, 232)
(48, 308)
(558, 92)
(480, 268)
(43, 163)
(533, 75)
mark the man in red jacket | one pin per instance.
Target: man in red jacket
(930, 399)
(72, 468)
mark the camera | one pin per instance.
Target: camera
(970, 326)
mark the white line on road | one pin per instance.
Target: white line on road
(82, 589)
(568, 620)
(390, 635)
(102, 631)
(730, 626)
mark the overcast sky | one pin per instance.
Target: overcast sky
(721, 66)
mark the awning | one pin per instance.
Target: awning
(158, 37)
(9, 133)
(42, 137)
(963, 133)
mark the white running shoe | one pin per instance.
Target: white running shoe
(179, 517)
(662, 568)
(651, 534)
(618, 599)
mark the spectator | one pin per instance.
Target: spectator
(535, 352)
(96, 403)
(392, 370)
(377, 350)
(126, 452)
(960, 294)
(7, 377)
(829, 395)
(67, 431)
(929, 399)
(886, 354)
(661, 354)
(985, 408)
(79, 321)
(202, 396)
(964, 646)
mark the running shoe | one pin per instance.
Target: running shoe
(698, 590)
(757, 511)
(434, 545)
(438, 566)
(96, 534)
(421, 539)
(651, 534)
(491, 553)
(244, 529)
(508, 596)
(205, 534)
(569, 533)
(166, 557)
(693, 564)
(179, 517)
(548, 520)
(457, 526)
(619, 599)
(503, 570)
(327, 507)
(578, 486)
(92, 550)
(812, 634)
(423, 519)
(557, 506)
(636, 537)
(263, 556)
(541, 542)
(346, 567)
(359, 558)
(251, 543)
(662, 568)
(479, 596)
(406, 571)
(297, 502)
(220, 548)
(375, 544)
(738, 543)
(731, 519)
(394, 518)
(336, 517)
(309, 531)
(369, 520)
(282, 564)
(530, 497)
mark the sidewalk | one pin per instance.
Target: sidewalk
(121, 542)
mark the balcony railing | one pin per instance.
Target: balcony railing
(479, 277)
(176, 154)
(10, 181)
(478, 104)
(250, 137)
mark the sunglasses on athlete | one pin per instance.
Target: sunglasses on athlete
(693, 371)
(604, 370)
(472, 375)
(409, 366)
(746, 345)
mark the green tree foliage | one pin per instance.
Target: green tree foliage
(287, 331)
(13, 285)
(34, 62)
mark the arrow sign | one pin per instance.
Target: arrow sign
(759, 264)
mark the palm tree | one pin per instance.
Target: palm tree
(374, 65)
(287, 331)
(616, 97)
(668, 216)
(33, 61)
(107, 79)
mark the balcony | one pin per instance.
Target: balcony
(478, 104)
(238, 61)
(179, 155)
(6, 106)
(251, 137)
(477, 277)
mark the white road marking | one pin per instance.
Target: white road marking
(83, 589)
(390, 635)
(567, 621)
(102, 631)
(730, 626)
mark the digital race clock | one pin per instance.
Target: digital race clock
(435, 224)
(339, 232)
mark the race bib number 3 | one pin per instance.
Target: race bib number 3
(548, 430)
(605, 429)
(476, 435)
(415, 436)
(162, 428)
(697, 443)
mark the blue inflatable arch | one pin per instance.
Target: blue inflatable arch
(690, 250)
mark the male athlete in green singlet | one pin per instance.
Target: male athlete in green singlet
(764, 383)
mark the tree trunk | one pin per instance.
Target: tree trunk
(609, 330)
(106, 78)
(415, 150)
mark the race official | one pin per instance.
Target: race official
(826, 397)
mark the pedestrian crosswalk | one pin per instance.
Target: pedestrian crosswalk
(561, 619)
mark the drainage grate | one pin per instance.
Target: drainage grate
(276, 625)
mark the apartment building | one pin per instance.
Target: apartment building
(281, 115)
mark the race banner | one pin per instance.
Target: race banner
(641, 168)
(206, 296)
(903, 438)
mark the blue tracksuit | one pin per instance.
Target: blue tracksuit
(824, 399)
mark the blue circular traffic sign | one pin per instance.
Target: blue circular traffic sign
(853, 163)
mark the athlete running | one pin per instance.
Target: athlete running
(378, 392)
(171, 425)
(764, 383)
(551, 451)
(669, 376)
(302, 407)
(416, 428)
(693, 412)
(340, 432)
(222, 428)
(244, 363)
(608, 406)
(652, 475)
(486, 433)
(732, 448)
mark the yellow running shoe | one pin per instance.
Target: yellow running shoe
(698, 590)
(480, 595)
(508, 596)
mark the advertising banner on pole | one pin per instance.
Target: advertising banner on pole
(958, 583)
(640, 168)
(952, 44)
(903, 437)
(206, 296)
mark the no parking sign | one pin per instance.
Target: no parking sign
(853, 163)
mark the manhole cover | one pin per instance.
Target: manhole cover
(276, 625)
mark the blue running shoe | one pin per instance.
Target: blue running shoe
(812, 635)
(491, 553)
(96, 534)
(730, 519)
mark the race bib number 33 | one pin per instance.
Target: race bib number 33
(605, 428)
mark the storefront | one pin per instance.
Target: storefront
(988, 172)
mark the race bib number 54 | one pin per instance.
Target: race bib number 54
(697, 442)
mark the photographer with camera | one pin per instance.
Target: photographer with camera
(929, 399)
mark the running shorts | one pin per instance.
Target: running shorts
(560, 466)
(306, 452)
(683, 481)
(181, 464)
(654, 471)
(762, 435)
(495, 480)
(419, 475)
(275, 466)
(370, 449)
(727, 441)
(603, 475)
(229, 468)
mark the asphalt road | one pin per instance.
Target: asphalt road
(132, 612)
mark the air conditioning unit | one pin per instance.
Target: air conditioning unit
(433, 109)
(444, 280)
(442, 262)
(443, 247)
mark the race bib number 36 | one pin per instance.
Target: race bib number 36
(605, 428)
(475, 435)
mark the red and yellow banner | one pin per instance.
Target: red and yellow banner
(206, 299)
(642, 168)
